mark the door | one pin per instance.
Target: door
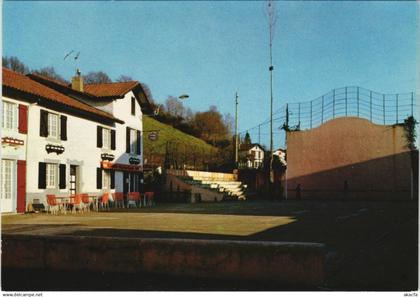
(73, 179)
(8, 185)
(21, 186)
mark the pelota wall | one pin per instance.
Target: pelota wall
(349, 158)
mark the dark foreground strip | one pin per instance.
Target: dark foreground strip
(286, 263)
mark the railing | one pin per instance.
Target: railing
(351, 101)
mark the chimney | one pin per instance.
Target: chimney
(77, 81)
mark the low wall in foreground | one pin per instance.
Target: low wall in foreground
(282, 262)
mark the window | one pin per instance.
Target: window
(10, 118)
(106, 179)
(53, 125)
(133, 144)
(133, 106)
(106, 138)
(51, 175)
(7, 178)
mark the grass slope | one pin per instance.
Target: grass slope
(168, 133)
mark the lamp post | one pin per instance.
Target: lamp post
(184, 96)
(170, 143)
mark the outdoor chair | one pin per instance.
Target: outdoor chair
(149, 198)
(133, 199)
(86, 202)
(76, 202)
(105, 201)
(53, 205)
(119, 199)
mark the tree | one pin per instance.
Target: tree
(174, 107)
(189, 115)
(50, 72)
(98, 77)
(247, 139)
(228, 121)
(13, 63)
(124, 78)
(148, 92)
(210, 125)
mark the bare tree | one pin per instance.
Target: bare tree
(13, 63)
(174, 107)
(51, 73)
(228, 121)
(148, 92)
(189, 115)
(98, 77)
(124, 78)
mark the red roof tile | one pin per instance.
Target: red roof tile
(53, 83)
(25, 84)
(117, 89)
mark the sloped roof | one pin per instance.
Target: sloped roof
(25, 84)
(248, 146)
(117, 89)
(98, 92)
(58, 85)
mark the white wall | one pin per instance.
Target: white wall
(14, 152)
(80, 149)
(122, 110)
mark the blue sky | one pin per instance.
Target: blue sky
(210, 50)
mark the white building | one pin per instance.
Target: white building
(281, 153)
(251, 156)
(77, 141)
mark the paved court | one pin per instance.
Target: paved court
(370, 245)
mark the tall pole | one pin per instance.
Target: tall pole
(271, 13)
(236, 130)
(259, 133)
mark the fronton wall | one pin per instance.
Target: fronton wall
(349, 158)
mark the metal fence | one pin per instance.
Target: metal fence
(385, 109)
(352, 101)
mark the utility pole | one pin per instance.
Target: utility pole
(271, 13)
(236, 130)
(259, 133)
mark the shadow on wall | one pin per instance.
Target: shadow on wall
(388, 178)
(351, 158)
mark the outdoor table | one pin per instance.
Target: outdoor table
(95, 200)
(65, 201)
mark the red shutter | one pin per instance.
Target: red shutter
(21, 186)
(23, 119)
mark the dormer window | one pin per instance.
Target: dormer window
(133, 106)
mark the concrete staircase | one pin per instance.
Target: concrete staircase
(230, 190)
(205, 186)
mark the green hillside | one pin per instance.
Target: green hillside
(182, 147)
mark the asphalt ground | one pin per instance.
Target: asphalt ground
(369, 245)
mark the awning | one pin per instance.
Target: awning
(120, 167)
